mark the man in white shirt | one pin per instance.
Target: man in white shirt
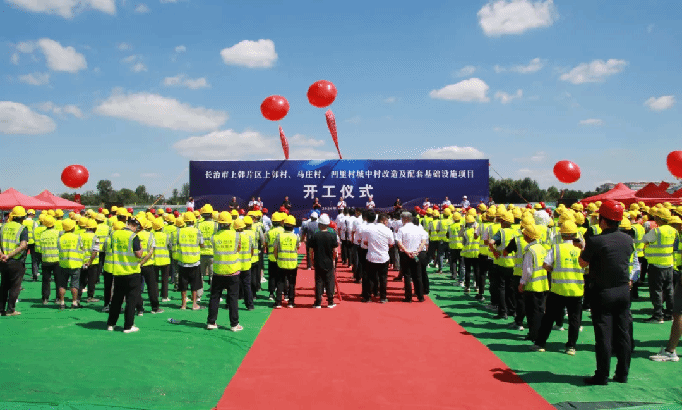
(370, 204)
(426, 203)
(355, 222)
(190, 204)
(465, 203)
(341, 204)
(341, 222)
(411, 240)
(446, 201)
(378, 238)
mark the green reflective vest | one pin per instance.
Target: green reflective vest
(434, 230)
(660, 251)
(188, 245)
(161, 249)
(253, 238)
(539, 281)
(272, 235)
(107, 266)
(639, 233)
(567, 277)
(287, 250)
(520, 244)
(124, 262)
(102, 232)
(30, 224)
(11, 234)
(443, 228)
(36, 237)
(678, 253)
(471, 246)
(70, 248)
(246, 250)
(481, 229)
(147, 246)
(87, 238)
(508, 261)
(455, 239)
(48, 245)
(207, 228)
(226, 257)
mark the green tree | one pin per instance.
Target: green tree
(185, 191)
(141, 193)
(127, 196)
(105, 190)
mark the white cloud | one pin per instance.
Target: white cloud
(181, 49)
(505, 98)
(303, 141)
(537, 157)
(35, 78)
(232, 145)
(65, 8)
(16, 118)
(390, 100)
(466, 71)
(14, 59)
(252, 54)
(138, 67)
(149, 175)
(515, 16)
(73, 110)
(591, 121)
(124, 46)
(184, 81)
(534, 65)
(158, 111)
(452, 152)
(62, 58)
(660, 103)
(594, 72)
(498, 69)
(26, 47)
(472, 89)
(141, 9)
(650, 28)
(49, 106)
(135, 63)
(116, 175)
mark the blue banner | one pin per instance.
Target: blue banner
(216, 182)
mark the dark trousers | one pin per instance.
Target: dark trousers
(127, 286)
(11, 274)
(108, 283)
(456, 264)
(289, 275)
(325, 280)
(163, 272)
(246, 287)
(412, 272)
(496, 285)
(150, 276)
(256, 279)
(433, 246)
(362, 262)
(88, 279)
(519, 301)
(661, 289)
(50, 270)
(510, 290)
(483, 262)
(357, 261)
(555, 305)
(35, 261)
(473, 265)
(272, 277)
(643, 263)
(219, 283)
(534, 307)
(377, 275)
(610, 314)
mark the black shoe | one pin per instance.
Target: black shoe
(407, 300)
(421, 300)
(501, 317)
(365, 300)
(383, 300)
(594, 381)
(479, 297)
(620, 379)
(397, 279)
(250, 308)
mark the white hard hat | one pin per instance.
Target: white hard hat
(465, 197)
(324, 220)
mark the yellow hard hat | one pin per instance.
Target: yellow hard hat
(664, 213)
(625, 224)
(207, 209)
(634, 207)
(105, 212)
(598, 203)
(447, 212)
(51, 212)
(667, 205)
(196, 213)
(180, 222)
(641, 203)
(533, 231)
(674, 220)
(527, 219)
(121, 212)
(238, 224)
(68, 225)
(579, 219)
(118, 225)
(234, 212)
(189, 217)
(258, 213)
(224, 218)
(290, 220)
(42, 216)
(59, 213)
(472, 211)
(491, 213)
(500, 211)
(214, 215)
(83, 222)
(278, 216)
(31, 212)
(171, 220)
(568, 227)
(149, 215)
(456, 216)
(469, 219)
(537, 206)
(167, 217)
(591, 207)
(517, 213)
(634, 214)
(482, 207)
(157, 224)
(92, 224)
(48, 221)
(100, 217)
(115, 208)
(248, 220)
(508, 217)
(551, 223)
(18, 211)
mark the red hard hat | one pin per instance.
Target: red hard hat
(264, 210)
(543, 205)
(435, 207)
(422, 212)
(168, 210)
(333, 225)
(189, 209)
(282, 209)
(286, 212)
(241, 211)
(130, 210)
(611, 209)
(99, 210)
(529, 206)
(176, 214)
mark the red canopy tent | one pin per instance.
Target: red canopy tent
(677, 193)
(654, 191)
(58, 202)
(620, 192)
(11, 198)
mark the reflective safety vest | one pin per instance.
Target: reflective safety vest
(48, 245)
(567, 277)
(520, 244)
(639, 233)
(455, 238)
(246, 250)
(595, 229)
(443, 228)
(272, 235)
(434, 230)
(172, 232)
(538, 282)
(70, 248)
(492, 229)
(660, 251)
(581, 231)
(87, 238)
(147, 246)
(471, 246)
(107, 266)
(482, 228)
(554, 232)
(11, 237)
(161, 249)
(253, 238)
(208, 229)
(678, 254)
(287, 250)
(188, 245)
(102, 232)
(124, 262)
(426, 222)
(226, 257)
(30, 224)
(544, 240)
(508, 261)
(36, 237)
(58, 225)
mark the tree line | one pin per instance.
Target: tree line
(504, 191)
(105, 194)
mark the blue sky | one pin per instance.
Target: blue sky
(134, 90)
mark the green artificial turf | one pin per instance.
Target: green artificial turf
(68, 360)
(557, 376)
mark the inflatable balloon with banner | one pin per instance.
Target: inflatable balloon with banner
(321, 94)
(75, 176)
(674, 163)
(275, 108)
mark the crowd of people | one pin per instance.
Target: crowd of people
(533, 264)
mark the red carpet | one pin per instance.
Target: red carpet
(371, 356)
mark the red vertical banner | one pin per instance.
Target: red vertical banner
(283, 140)
(77, 198)
(332, 126)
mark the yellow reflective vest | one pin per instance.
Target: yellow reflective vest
(207, 228)
(226, 256)
(161, 249)
(567, 276)
(70, 248)
(539, 281)
(287, 250)
(124, 262)
(660, 251)
(188, 245)
(48, 245)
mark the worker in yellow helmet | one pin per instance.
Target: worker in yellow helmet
(533, 282)
(190, 242)
(285, 251)
(91, 261)
(208, 228)
(31, 224)
(13, 245)
(71, 252)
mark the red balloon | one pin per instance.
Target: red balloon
(322, 93)
(75, 176)
(275, 108)
(567, 172)
(674, 163)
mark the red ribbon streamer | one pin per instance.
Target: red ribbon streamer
(283, 140)
(330, 118)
